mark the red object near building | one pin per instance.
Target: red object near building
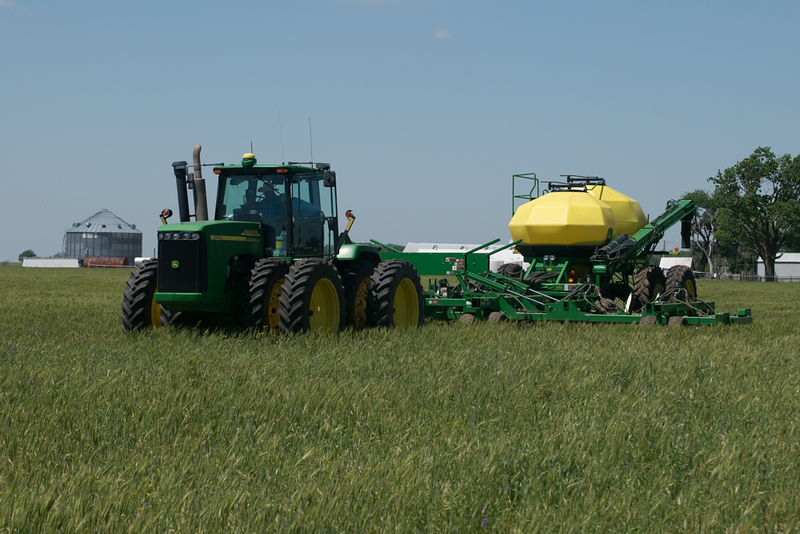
(97, 261)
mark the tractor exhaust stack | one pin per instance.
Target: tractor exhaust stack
(200, 199)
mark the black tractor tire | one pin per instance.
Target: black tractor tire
(312, 299)
(647, 285)
(680, 278)
(395, 296)
(259, 305)
(176, 319)
(139, 309)
(356, 277)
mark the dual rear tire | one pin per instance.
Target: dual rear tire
(310, 295)
(312, 298)
(300, 297)
(395, 296)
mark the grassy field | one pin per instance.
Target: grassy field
(505, 428)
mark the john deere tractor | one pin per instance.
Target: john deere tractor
(272, 258)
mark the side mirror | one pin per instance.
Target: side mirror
(328, 178)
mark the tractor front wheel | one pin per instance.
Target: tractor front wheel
(395, 295)
(139, 308)
(260, 303)
(312, 298)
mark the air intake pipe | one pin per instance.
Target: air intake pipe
(200, 199)
(179, 168)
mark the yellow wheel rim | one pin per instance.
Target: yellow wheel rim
(406, 304)
(690, 289)
(658, 289)
(323, 309)
(360, 305)
(273, 304)
(155, 311)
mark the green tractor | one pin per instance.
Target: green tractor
(271, 259)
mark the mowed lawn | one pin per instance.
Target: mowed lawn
(504, 428)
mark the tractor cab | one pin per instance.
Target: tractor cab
(295, 205)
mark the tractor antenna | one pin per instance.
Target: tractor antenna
(251, 146)
(310, 140)
(280, 129)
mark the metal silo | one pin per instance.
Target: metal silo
(103, 235)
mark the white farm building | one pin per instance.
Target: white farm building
(50, 262)
(787, 267)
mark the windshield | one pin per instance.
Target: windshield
(246, 196)
(306, 226)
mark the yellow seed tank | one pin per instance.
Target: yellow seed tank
(627, 212)
(563, 218)
(576, 217)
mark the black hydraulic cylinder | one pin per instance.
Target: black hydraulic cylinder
(686, 232)
(179, 167)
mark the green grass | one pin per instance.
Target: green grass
(504, 428)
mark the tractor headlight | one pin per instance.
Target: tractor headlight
(179, 236)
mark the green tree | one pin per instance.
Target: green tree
(27, 254)
(710, 254)
(704, 225)
(759, 206)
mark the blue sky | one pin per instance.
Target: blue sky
(425, 108)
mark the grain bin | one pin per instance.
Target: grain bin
(103, 235)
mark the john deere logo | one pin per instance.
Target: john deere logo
(175, 264)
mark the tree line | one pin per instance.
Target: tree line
(753, 212)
